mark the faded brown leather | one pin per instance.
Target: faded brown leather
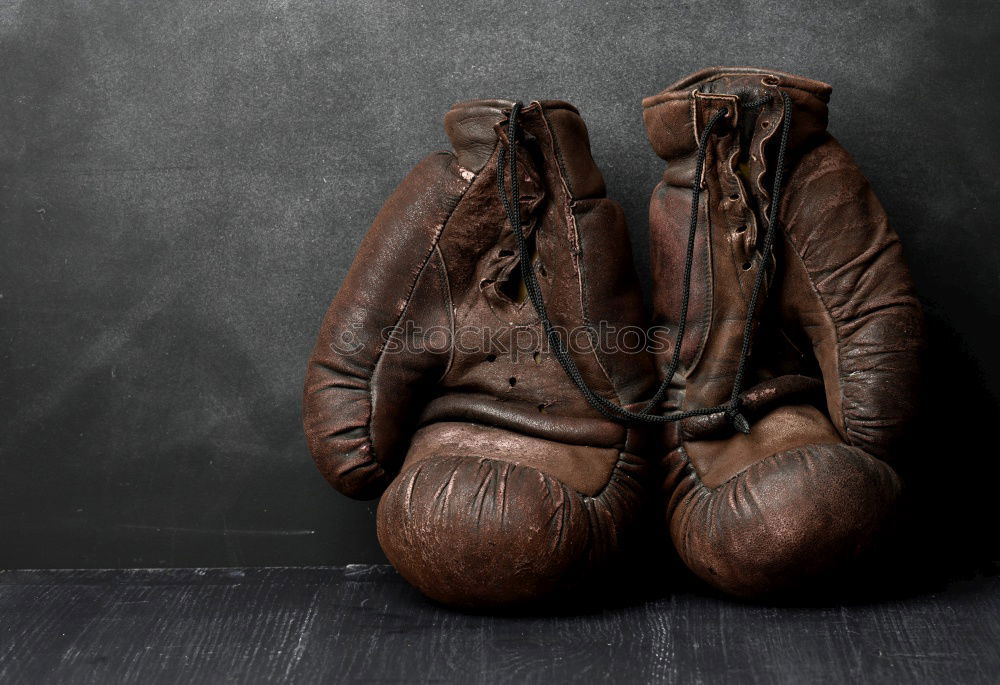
(501, 484)
(833, 369)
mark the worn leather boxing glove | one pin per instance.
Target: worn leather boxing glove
(796, 332)
(434, 380)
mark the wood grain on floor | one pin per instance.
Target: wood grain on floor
(364, 624)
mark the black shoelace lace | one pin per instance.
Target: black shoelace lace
(615, 412)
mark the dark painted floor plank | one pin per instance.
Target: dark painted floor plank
(364, 624)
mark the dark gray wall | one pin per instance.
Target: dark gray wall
(184, 184)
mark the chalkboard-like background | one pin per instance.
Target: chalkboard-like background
(183, 185)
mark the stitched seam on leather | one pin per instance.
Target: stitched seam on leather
(378, 362)
(709, 309)
(693, 107)
(585, 314)
(836, 333)
(578, 251)
(446, 289)
(773, 457)
(585, 311)
(783, 86)
(558, 153)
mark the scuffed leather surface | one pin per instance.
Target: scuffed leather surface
(785, 519)
(502, 485)
(470, 128)
(356, 406)
(832, 377)
(860, 280)
(785, 428)
(560, 460)
(474, 532)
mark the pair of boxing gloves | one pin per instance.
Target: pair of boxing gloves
(487, 366)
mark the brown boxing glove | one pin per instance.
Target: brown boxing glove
(799, 332)
(434, 379)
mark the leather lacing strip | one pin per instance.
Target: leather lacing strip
(609, 409)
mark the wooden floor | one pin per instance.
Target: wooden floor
(364, 624)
